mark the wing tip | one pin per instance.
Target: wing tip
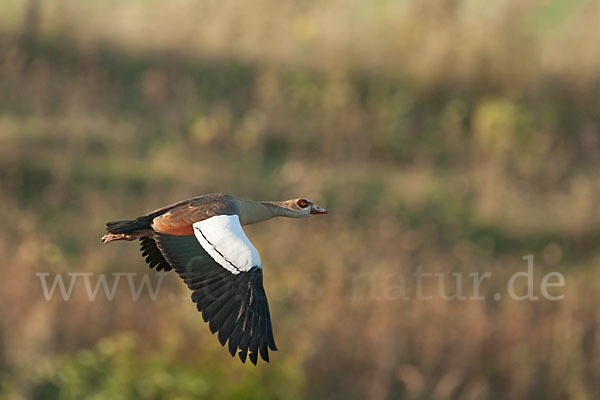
(253, 357)
(243, 354)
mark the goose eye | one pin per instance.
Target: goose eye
(302, 203)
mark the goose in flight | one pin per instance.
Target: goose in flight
(203, 241)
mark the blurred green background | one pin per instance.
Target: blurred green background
(459, 135)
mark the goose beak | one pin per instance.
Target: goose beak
(315, 209)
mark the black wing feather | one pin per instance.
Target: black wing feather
(153, 256)
(234, 305)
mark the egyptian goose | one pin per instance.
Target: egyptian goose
(203, 240)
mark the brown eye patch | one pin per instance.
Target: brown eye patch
(302, 203)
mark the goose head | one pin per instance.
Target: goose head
(298, 208)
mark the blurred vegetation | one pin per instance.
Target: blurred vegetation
(115, 370)
(453, 134)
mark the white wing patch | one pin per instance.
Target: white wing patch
(226, 242)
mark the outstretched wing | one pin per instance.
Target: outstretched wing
(222, 268)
